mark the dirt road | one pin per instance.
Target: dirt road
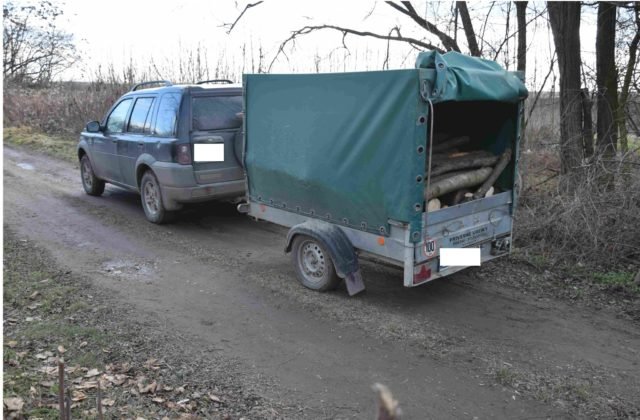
(463, 347)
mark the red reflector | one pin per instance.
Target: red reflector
(422, 274)
(184, 154)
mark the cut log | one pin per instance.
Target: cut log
(505, 158)
(450, 144)
(433, 205)
(471, 160)
(467, 179)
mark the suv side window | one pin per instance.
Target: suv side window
(115, 121)
(216, 112)
(140, 116)
(168, 115)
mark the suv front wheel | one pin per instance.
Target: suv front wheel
(152, 200)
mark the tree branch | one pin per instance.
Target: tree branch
(247, 7)
(346, 31)
(449, 43)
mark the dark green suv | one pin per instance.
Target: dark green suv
(173, 144)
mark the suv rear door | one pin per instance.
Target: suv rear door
(215, 120)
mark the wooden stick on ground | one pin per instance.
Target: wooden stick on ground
(61, 388)
(446, 184)
(497, 170)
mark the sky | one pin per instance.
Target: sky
(119, 31)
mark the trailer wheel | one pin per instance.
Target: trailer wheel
(313, 264)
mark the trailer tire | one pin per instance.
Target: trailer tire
(313, 264)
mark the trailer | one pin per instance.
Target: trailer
(346, 161)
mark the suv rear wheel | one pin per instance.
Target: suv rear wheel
(92, 185)
(152, 200)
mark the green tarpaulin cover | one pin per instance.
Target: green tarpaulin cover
(350, 148)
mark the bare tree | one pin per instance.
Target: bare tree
(35, 50)
(606, 79)
(521, 12)
(565, 26)
(627, 80)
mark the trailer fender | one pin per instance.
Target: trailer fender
(343, 255)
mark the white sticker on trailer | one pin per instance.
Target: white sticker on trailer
(208, 152)
(459, 257)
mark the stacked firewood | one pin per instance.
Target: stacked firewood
(460, 174)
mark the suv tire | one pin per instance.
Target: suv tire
(92, 185)
(151, 196)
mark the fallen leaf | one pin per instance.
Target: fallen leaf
(43, 356)
(180, 390)
(108, 402)
(12, 343)
(78, 396)
(21, 354)
(91, 373)
(214, 398)
(158, 400)
(150, 388)
(87, 385)
(13, 363)
(47, 384)
(151, 363)
(34, 295)
(167, 388)
(61, 349)
(140, 418)
(83, 344)
(13, 403)
(181, 402)
(32, 392)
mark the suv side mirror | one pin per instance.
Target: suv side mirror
(93, 127)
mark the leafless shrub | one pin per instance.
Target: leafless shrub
(596, 226)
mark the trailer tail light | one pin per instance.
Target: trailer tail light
(421, 273)
(183, 154)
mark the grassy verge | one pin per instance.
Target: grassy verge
(62, 147)
(50, 314)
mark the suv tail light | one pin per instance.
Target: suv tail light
(183, 154)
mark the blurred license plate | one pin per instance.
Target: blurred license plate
(208, 152)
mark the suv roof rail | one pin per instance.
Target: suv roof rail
(204, 82)
(153, 82)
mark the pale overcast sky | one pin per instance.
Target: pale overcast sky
(118, 30)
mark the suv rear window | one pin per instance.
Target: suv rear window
(216, 112)
(140, 116)
(167, 115)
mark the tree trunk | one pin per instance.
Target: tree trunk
(521, 13)
(587, 130)
(606, 79)
(565, 25)
(468, 28)
(626, 84)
